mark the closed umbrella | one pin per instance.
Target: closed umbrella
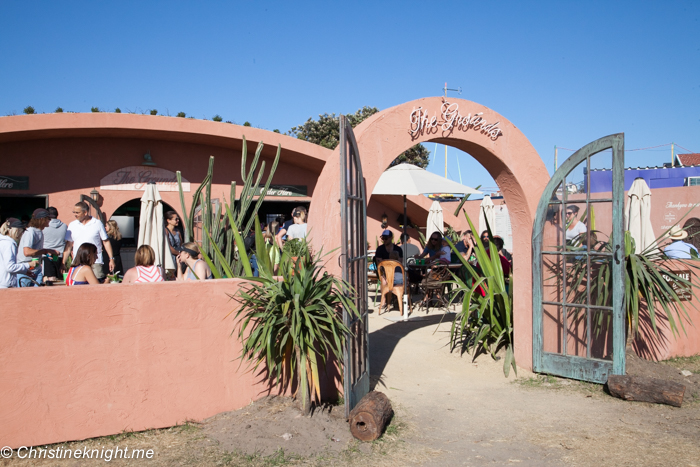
(409, 179)
(487, 212)
(435, 220)
(639, 215)
(151, 230)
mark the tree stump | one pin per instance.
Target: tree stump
(370, 416)
(643, 389)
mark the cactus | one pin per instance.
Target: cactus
(218, 243)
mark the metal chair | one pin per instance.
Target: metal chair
(433, 286)
(386, 271)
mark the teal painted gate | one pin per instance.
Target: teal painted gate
(578, 324)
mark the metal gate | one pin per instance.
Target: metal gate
(353, 219)
(578, 269)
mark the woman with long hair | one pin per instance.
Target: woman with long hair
(197, 269)
(173, 232)
(115, 239)
(10, 234)
(81, 272)
(298, 229)
(145, 269)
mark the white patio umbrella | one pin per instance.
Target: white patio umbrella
(408, 179)
(487, 212)
(435, 221)
(638, 215)
(151, 230)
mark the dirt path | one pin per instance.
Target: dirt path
(472, 415)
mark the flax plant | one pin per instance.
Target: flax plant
(292, 325)
(485, 323)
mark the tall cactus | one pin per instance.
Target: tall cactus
(218, 244)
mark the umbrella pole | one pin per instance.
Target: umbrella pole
(405, 251)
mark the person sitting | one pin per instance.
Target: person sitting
(466, 246)
(387, 250)
(434, 249)
(81, 272)
(678, 249)
(197, 269)
(500, 244)
(10, 234)
(409, 250)
(145, 269)
(298, 229)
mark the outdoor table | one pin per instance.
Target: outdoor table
(423, 286)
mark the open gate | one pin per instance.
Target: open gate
(353, 219)
(578, 272)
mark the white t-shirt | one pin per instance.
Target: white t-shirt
(32, 238)
(446, 253)
(92, 232)
(296, 231)
(577, 230)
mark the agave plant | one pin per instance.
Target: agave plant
(485, 323)
(293, 325)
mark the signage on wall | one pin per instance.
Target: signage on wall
(449, 120)
(670, 216)
(136, 178)
(284, 190)
(682, 289)
(11, 182)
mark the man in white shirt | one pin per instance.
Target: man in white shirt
(87, 229)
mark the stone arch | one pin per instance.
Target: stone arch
(502, 149)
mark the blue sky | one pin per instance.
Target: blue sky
(564, 72)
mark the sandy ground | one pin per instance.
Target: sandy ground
(449, 411)
(472, 415)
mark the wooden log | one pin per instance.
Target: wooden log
(643, 389)
(370, 416)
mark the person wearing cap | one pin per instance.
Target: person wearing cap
(31, 246)
(387, 250)
(678, 249)
(10, 234)
(87, 229)
(54, 239)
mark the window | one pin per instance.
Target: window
(693, 181)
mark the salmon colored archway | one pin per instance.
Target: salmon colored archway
(492, 140)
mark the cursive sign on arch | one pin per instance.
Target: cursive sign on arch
(449, 120)
(135, 178)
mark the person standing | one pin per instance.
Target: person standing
(298, 229)
(115, 240)
(31, 246)
(87, 229)
(281, 236)
(173, 234)
(10, 233)
(54, 239)
(678, 249)
(574, 227)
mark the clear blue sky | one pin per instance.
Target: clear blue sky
(565, 73)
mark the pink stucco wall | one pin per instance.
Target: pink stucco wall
(81, 362)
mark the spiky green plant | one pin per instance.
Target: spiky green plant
(218, 243)
(291, 326)
(485, 323)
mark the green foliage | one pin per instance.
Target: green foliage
(292, 325)
(117, 110)
(275, 130)
(217, 118)
(153, 112)
(29, 110)
(246, 124)
(94, 109)
(294, 247)
(58, 110)
(326, 132)
(485, 324)
(181, 114)
(226, 224)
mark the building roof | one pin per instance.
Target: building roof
(689, 159)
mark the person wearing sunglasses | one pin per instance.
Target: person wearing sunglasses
(387, 250)
(574, 227)
(434, 249)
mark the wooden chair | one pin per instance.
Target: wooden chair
(386, 271)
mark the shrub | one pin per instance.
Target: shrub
(117, 110)
(94, 109)
(217, 118)
(29, 110)
(247, 124)
(181, 114)
(59, 110)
